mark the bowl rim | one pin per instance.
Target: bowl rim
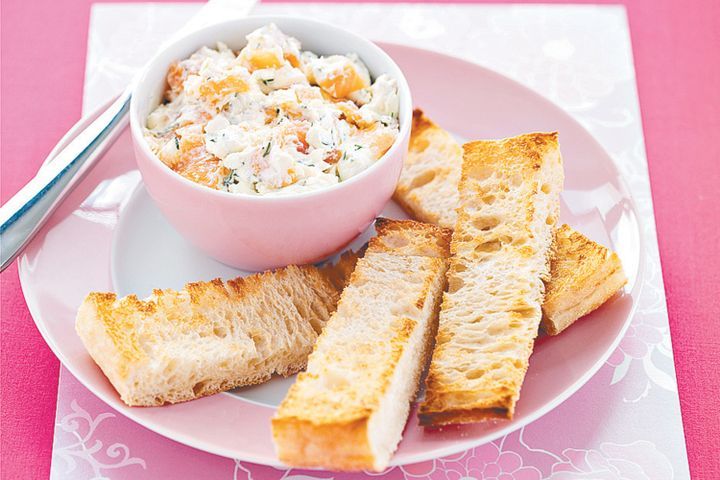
(141, 84)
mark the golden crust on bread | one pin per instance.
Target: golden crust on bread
(347, 411)
(341, 445)
(509, 202)
(344, 445)
(583, 274)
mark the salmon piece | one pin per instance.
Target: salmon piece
(176, 79)
(352, 115)
(333, 157)
(259, 59)
(343, 83)
(215, 90)
(199, 166)
(379, 140)
(302, 140)
(292, 59)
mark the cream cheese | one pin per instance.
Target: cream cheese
(272, 119)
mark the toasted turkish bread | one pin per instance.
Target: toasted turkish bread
(427, 188)
(584, 275)
(509, 204)
(348, 410)
(210, 336)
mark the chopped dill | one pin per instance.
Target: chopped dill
(229, 179)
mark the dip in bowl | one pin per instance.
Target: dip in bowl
(269, 141)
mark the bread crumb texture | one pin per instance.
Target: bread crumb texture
(427, 189)
(209, 337)
(508, 208)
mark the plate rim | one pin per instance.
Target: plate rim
(455, 447)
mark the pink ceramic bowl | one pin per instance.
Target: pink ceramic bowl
(257, 232)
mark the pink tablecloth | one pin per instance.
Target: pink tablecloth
(678, 70)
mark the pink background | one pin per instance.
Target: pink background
(678, 70)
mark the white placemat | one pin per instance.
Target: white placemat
(578, 56)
